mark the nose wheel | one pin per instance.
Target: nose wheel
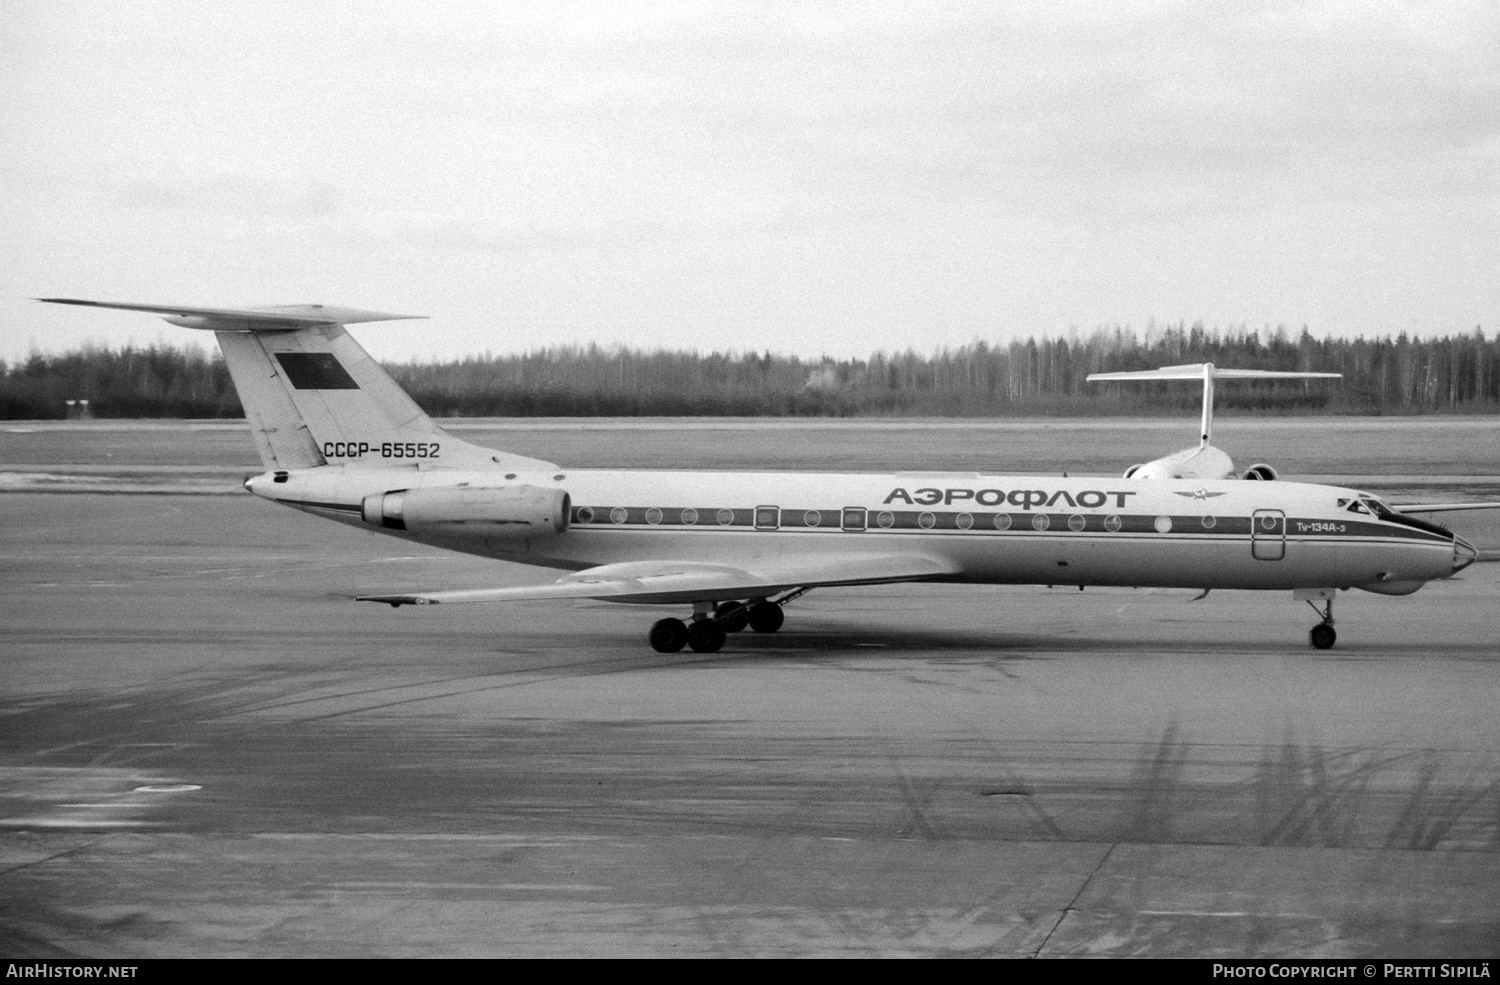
(1322, 636)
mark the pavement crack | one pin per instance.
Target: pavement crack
(1072, 903)
(50, 858)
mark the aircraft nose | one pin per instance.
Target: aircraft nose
(1464, 554)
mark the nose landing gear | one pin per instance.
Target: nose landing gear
(1322, 636)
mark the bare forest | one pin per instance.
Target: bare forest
(1401, 375)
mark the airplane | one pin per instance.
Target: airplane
(341, 440)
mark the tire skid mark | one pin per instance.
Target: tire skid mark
(654, 665)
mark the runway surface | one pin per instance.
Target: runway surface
(208, 750)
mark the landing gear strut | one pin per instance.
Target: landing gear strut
(1322, 636)
(712, 624)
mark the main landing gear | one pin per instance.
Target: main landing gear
(712, 624)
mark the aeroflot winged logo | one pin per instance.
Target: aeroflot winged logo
(1024, 498)
(1198, 494)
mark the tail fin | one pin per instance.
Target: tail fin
(313, 396)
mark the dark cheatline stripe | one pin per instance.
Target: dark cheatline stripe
(703, 516)
(831, 519)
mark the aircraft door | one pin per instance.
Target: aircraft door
(1268, 535)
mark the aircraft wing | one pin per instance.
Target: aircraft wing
(1442, 507)
(668, 582)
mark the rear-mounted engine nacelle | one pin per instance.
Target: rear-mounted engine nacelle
(503, 513)
(1134, 469)
(1260, 471)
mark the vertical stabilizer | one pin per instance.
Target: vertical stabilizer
(281, 437)
(313, 396)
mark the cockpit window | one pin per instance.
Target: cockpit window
(1376, 507)
(1354, 506)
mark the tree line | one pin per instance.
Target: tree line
(1401, 375)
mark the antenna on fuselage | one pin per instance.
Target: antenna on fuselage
(1208, 372)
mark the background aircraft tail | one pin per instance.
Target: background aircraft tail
(313, 396)
(1204, 461)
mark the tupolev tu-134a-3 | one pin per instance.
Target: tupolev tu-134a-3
(341, 440)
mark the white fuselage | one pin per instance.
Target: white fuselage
(1010, 529)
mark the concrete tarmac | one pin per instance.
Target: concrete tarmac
(207, 749)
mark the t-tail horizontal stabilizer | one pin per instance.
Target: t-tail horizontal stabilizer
(281, 318)
(1208, 372)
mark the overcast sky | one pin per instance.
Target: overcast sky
(802, 177)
